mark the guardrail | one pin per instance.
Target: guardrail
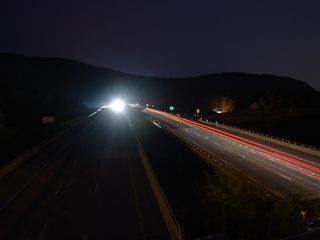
(284, 142)
(165, 209)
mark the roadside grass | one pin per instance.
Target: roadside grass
(246, 211)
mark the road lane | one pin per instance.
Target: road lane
(266, 166)
(95, 188)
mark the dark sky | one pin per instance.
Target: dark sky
(168, 37)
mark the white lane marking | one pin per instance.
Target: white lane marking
(59, 189)
(241, 155)
(284, 176)
(156, 124)
(216, 143)
(96, 188)
(94, 113)
(198, 134)
(84, 237)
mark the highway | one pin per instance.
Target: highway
(88, 184)
(281, 169)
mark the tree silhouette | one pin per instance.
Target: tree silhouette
(223, 104)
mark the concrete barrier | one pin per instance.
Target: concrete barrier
(165, 209)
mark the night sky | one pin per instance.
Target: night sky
(170, 38)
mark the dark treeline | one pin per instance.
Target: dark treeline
(51, 83)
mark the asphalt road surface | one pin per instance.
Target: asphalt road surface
(281, 169)
(87, 184)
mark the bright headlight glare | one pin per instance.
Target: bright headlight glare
(117, 105)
